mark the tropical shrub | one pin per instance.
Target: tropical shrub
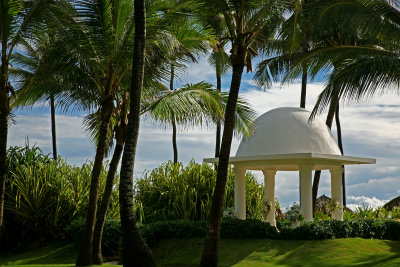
(111, 234)
(175, 192)
(45, 195)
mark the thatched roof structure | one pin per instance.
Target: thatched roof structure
(322, 202)
(395, 202)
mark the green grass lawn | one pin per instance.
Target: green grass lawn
(234, 252)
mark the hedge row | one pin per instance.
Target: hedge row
(234, 228)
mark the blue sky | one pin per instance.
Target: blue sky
(370, 129)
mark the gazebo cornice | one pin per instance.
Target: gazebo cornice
(292, 161)
(309, 157)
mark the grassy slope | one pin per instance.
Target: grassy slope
(180, 252)
(338, 252)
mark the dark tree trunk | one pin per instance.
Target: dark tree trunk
(303, 90)
(53, 126)
(218, 134)
(105, 201)
(317, 174)
(340, 144)
(210, 251)
(135, 252)
(174, 144)
(4, 112)
(85, 256)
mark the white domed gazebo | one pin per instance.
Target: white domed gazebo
(285, 140)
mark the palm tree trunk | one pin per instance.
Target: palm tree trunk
(135, 252)
(218, 134)
(4, 111)
(105, 201)
(85, 256)
(174, 144)
(317, 174)
(303, 89)
(340, 144)
(53, 126)
(210, 251)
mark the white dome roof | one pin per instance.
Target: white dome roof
(287, 131)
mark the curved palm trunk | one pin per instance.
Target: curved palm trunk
(4, 112)
(340, 144)
(209, 257)
(303, 89)
(135, 252)
(53, 126)
(105, 201)
(218, 133)
(85, 256)
(317, 174)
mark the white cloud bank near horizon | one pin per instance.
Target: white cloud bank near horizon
(369, 129)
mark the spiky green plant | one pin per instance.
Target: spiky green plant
(44, 195)
(173, 191)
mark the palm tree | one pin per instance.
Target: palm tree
(100, 36)
(190, 40)
(219, 59)
(294, 39)
(250, 23)
(363, 68)
(39, 72)
(323, 56)
(135, 252)
(17, 19)
(119, 133)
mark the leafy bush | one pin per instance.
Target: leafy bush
(44, 195)
(365, 228)
(175, 192)
(250, 228)
(111, 234)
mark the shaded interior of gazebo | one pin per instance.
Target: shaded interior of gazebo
(286, 140)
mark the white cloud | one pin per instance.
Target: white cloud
(363, 201)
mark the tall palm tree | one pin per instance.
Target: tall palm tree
(323, 56)
(38, 73)
(362, 69)
(100, 36)
(17, 19)
(119, 133)
(250, 23)
(191, 39)
(219, 60)
(294, 39)
(135, 252)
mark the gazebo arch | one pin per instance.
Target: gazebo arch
(285, 139)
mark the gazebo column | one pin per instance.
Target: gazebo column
(306, 191)
(337, 192)
(240, 192)
(269, 195)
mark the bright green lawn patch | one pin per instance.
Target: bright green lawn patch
(337, 252)
(238, 252)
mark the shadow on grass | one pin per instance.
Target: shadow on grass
(51, 253)
(262, 252)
